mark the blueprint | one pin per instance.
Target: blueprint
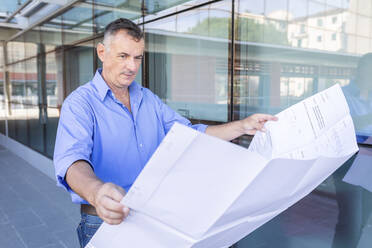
(201, 191)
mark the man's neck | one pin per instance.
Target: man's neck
(120, 93)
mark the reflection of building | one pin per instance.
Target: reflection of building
(325, 31)
(205, 63)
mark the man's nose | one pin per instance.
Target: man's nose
(131, 65)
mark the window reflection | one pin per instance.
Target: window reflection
(16, 50)
(77, 23)
(154, 6)
(53, 78)
(2, 102)
(17, 79)
(188, 61)
(285, 51)
(51, 34)
(325, 43)
(1, 57)
(105, 11)
(10, 5)
(32, 39)
(36, 128)
(79, 69)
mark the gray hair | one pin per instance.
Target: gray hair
(112, 28)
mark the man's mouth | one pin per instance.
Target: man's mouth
(127, 75)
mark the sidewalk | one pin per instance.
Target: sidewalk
(34, 213)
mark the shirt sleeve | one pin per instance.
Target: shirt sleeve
(169, 117)
(74, 139)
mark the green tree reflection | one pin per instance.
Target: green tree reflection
(267, 31)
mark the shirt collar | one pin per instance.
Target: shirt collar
(135, 90)
(100, 84)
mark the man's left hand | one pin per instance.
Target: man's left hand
(256, 122)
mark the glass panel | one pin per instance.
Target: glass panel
(315, 14)
(51, 34)
(277, 10)
(16, 50)
(187, 61)
(2, 102)
(31, 82)
(32, 39)
(11, 123)
(335, 3)
(297, 9)
(256, 28)
(9, 6)
(51, 130)
(17, 77)
(1, 56)
(36, 128)
(18, 117)
(252, 7)
(105, 11)
(157, 5)
(54, 79)
(329, 43)
(17, 121)
(157, 8)
(77, 23)
(24, 46)
(35, 120)
(79, 69)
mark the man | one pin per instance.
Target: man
(110, 127)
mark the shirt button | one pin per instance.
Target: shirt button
(141, 145)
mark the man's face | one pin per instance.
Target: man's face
(121, 59)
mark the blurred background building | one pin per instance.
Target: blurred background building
(211, 61)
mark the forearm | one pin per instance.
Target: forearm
(82, 180)
(228, 131)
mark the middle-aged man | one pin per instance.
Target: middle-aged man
(110, 127)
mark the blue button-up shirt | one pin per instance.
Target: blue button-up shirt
(94, 126)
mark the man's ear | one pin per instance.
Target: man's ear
(101, 51)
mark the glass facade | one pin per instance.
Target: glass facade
(213, 62)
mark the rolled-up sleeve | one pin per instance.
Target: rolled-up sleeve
(169, 117)
(74, 139)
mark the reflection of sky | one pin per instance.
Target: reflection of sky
(112, 3)
(185, 21)
(105, 18)
(252, 6)
(315, 8)
(272, 6)
(10, 5)
(298, 8)
(78, 14)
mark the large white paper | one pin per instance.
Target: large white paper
(200, 191)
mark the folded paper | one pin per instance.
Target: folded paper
(200, 191)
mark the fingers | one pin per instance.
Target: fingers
(258, 126)
(115, 192)
(256, 122)
(108, 205)
(266, 117)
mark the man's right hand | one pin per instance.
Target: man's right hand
(107, 199)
